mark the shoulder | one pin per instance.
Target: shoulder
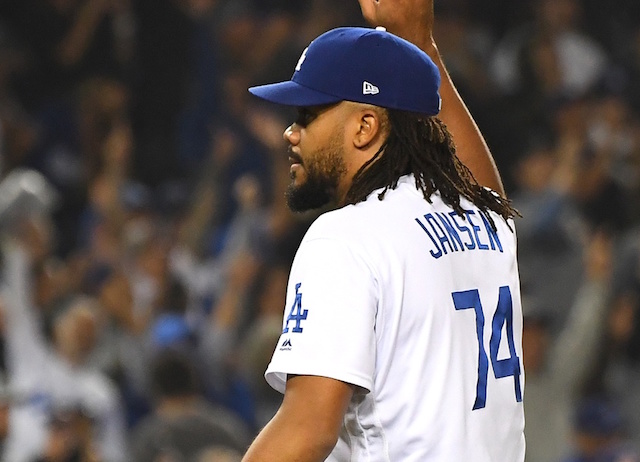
(353, 227)
(340, 240)
(332, 237)
(372, 216)
(341, 224)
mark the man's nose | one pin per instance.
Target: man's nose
(292, 134)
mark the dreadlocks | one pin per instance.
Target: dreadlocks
(423, 146)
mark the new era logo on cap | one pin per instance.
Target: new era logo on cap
(369, 88)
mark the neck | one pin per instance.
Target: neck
(369, 157)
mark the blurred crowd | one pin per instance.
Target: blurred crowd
(145, 243)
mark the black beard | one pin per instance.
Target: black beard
(314, 193)
(324, 171)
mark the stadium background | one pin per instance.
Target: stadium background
(157, 250)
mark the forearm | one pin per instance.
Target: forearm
(471, 147)
(285, 440)
(307, 425)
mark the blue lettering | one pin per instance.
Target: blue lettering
(442, 237)
(493, 235)
(449, 230)
(471, 244)
(453, 234)
(433, 254)
(475, 228)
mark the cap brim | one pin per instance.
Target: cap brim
(290, 93)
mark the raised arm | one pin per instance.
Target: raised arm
(413, 20)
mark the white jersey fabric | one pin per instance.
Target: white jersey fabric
(393, 296)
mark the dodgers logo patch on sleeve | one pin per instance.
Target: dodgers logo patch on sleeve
(296, 314)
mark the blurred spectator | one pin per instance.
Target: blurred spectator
(551, 230)
(613, 134)
(69, 438)
(183, 424)
(261, 338)
(599, 434)
(557, 365)
(602, 199)
(536, 64)
(550, 56)
(78, 140)
(175, 85)
(617, 374)
(48, 378)
(218, 454)
(67, 42)
(122, 350)
(614, 28)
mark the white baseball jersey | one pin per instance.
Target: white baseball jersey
(421, 310)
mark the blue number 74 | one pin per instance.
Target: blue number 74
(509, 367)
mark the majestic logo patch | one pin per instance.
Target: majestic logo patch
(286, 345)
(296, 314)
(369, 88)
(302, 58)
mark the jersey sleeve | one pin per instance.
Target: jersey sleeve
(329, 318)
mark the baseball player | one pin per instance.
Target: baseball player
(401, 336)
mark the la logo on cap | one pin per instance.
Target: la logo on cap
(369, 88)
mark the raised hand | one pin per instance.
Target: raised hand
(409, 19)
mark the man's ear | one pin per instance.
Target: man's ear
(369, 128)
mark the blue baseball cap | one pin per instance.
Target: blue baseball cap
(363, 65)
